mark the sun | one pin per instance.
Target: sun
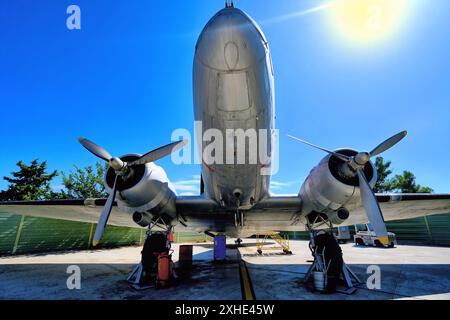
(367, 21)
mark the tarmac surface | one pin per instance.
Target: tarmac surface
(406, 272)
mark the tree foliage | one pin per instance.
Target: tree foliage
(383, 184)
(30, 182)
(83, 183)
(404, 183)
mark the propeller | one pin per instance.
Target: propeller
(122, 170)
(354, 166)
(105, 215)
(372, 208)
(340, 156)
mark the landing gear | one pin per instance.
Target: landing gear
(155, 244)
(156, 267)
(328, 268)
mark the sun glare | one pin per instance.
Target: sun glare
(367, 21)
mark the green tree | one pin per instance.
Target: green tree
(406, 183)
(29, 182)
(383, 184)
(84, 183)
(5, 195)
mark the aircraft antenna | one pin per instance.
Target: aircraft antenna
(229, 4)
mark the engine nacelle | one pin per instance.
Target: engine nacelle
(326, 190)
(146, 190)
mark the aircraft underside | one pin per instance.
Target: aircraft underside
(234, 100)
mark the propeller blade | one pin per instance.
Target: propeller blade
(389, 143)
(95, 149)
(372, 208)
(159, 153)
(105, 215)
(340, 156)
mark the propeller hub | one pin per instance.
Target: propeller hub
(117, 164)
(362, 158)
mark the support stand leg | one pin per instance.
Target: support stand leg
(350, 278)
(136, 277)
(322, 265)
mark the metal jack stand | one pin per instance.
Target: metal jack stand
(318, 264)
(137, 274)
(349, 277)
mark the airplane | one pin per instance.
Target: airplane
(233, 86)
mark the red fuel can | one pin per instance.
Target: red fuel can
(165, 268)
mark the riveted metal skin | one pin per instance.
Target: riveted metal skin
(233, 88)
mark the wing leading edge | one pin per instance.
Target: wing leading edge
(87, 210)
(400, 206)
(280, 213)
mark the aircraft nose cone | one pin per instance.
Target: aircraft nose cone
(230, 41)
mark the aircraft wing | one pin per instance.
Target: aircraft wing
(399, 206)
(405, 206)
(282, 213)
(197, 212)
(189, 205)
(88, 210)
(279, 213)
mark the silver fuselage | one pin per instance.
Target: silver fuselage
(233, 88)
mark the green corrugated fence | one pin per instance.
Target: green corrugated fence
(21, 234)
(430, 230)
(434, 230)
(180, 237)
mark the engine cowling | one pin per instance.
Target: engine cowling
(145, 191)
(329, 190)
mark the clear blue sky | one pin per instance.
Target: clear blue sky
(124, 81)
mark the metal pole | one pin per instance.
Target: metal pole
(427, 224)
(141, 238)
(91, 234)
(19, 232)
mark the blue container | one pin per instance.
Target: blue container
(220, 247)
